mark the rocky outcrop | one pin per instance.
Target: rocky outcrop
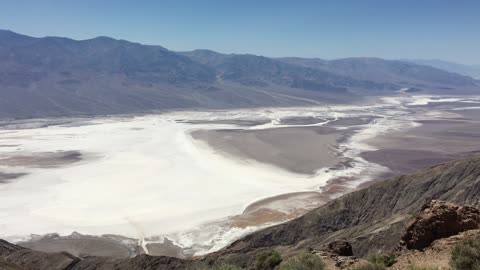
(334, 261)
(437, 220)
(24, 258)
(340, 248)
(436, 256)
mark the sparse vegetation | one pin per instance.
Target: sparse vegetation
(222, 266)
(466, 254)
(267, 260)
(226, 267)
(416, 267)
(304, 261)
(369, 266)
(385, 260)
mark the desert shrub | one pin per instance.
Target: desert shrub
(267, 260)
(226, 267)
(385, 260)
(222, 266)
(369, 266)
(304, 261)
(466, 254)
(416, 267)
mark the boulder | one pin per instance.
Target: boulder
(439, 219)
(340, 248)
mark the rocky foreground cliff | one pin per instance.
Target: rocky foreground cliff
(386, 217)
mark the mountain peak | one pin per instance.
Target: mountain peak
(8, 37)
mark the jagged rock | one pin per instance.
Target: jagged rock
(439, 219)
(340, 247)
(340, 262)
(23, 258)
(345, 262)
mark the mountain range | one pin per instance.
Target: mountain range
(467, 70)
(56, 76)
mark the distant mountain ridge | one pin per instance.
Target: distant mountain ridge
(55, 76)
(467, 70)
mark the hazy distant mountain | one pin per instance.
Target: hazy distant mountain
(386, 71)
(364, 73)
(260, 71)
(56, 76)
(467, 70)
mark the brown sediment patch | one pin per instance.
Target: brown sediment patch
(337, 187)
(41, 160)
(297, 149)
(85, 245)
(278, 208)
(288, 206)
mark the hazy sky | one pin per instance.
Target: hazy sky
(440, 29)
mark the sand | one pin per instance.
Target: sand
(299, 150)
(279, 208)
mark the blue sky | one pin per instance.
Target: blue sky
(392, 29)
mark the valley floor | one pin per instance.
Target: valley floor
(188, 183)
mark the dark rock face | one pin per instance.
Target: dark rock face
(8, 266)
(439, 220)
(24, 258)
(340, 248)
